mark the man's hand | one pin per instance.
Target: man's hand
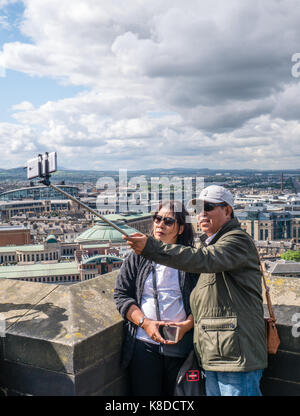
(136, 241)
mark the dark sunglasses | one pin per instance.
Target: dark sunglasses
(168, 221)
(209, 206)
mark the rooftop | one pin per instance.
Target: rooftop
(37, 270)
(94, 245)
(103, 232)
(284, 267)
(99, 258)
(29, 247)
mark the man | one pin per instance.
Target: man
(229, 334)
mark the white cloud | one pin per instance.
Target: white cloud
(217, 77)
(4, 22)
(4, 3)
(24, 106)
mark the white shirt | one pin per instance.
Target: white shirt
(170, 301)
(208, 240)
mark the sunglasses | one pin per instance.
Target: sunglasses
(209, 206)
(168, 221)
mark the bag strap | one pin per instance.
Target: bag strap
(155, 293)
(267, 289)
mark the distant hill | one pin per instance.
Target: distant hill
(19, 174)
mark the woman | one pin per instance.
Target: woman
(153, 361)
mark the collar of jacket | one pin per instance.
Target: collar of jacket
(203, 238)
(228, 226)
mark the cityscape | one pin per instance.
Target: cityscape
(141, 103)
(44, 237)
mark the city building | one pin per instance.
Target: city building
(38, 192)
(64, 272)
(9, 209)
(263, 225)
(102, 232)
(50, 251)
(283, 268)
(273, 249)
(17, 235)
(96, 252)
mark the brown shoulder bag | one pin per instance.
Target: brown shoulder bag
(272, 336)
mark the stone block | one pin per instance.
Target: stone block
(284, 365)
(62, 339)
(21, 379)
(278, 387)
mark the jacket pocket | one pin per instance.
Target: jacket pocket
(218, 339)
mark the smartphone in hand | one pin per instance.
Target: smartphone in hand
(170, 332)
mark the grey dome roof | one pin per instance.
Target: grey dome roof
(51, 239)
(105, 233)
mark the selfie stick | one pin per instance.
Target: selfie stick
(46, 181)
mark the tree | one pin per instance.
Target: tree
(291, 255)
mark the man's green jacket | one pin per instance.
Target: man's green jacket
(226, 303)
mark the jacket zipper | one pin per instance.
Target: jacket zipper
(216, 327)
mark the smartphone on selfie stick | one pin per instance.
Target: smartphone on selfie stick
(42, 166)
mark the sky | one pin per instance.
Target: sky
(150, 84)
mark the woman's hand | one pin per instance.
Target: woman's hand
(184, 327)
(151, 327)
(136, 241)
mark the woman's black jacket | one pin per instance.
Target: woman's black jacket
(129, 289)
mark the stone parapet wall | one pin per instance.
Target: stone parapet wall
(282, 377)
(65, 340)
(61, 339)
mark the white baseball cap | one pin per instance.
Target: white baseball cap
(215, 194)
